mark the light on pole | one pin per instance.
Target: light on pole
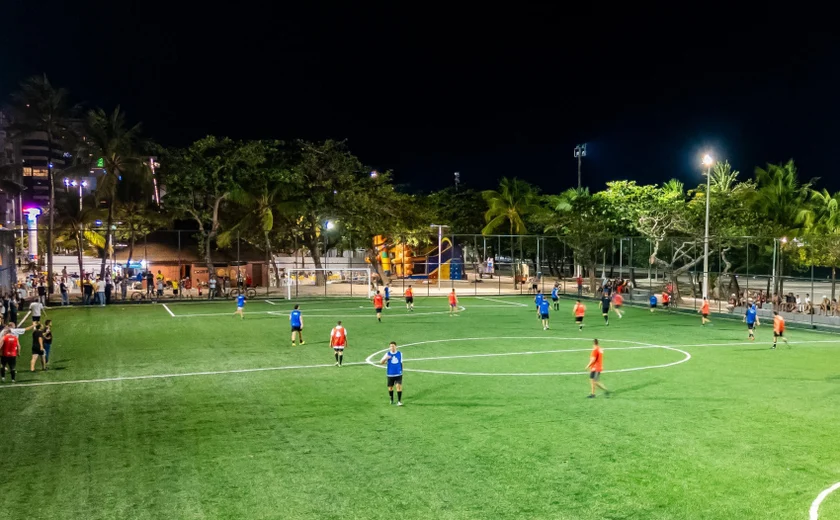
(580, 153)
(327, 226)
(440, 243)
(707, 161)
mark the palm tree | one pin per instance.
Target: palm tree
(40, 107)
(75, 222)
(783, 199)
(823, 228)
(260, 207)
(511, 203)
(137, 219)
(109, 138)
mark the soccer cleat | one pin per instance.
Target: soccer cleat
(392, 401)
(293, 343)
(302, 342)
(336, 363)
(590, 396)
(399, 403)
(773, 347)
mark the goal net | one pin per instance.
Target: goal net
(312, 282)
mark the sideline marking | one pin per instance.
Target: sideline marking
(269, 302)
(24, 318)
(814, 512)
(164, 376)
(169, 311)
(515, 304)
(638, 345)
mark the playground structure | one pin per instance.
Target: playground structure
(400, 260)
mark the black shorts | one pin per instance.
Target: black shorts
(36, 319)
(555, 299)
(544, 316)
(605, 311)
(378, 309)
(750, 326)
(595, 375)
(579, 319)
(37, 351)
(396, 380)
(705, 314)
(778, 334)
(338, 349)
(409, 300)
(387, 298)
(297, 329)
(8, 361)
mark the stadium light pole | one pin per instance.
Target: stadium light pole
(580, 153)
(440, 243)
(707, 161)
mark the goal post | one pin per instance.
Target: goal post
(313, 282)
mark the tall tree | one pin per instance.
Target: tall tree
(137, 218)
(75, 221)
(200, 178)
(40, 107)
(109, 138)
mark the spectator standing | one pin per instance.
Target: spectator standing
(211, 293)
(124, 287)
(65, 296)
(42, 293)
(100, 292)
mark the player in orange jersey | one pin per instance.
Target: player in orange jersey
(778, 329)
(453, 303)
(338, 342)
(704, 311)
(617, 302)
(580, 310)
(595, 366)
(409, 299)
(377, 304)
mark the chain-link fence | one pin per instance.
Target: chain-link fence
(777, 273)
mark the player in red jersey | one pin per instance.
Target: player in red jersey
(9, 350)
(453, 303)
(338, 342)
(377, 304)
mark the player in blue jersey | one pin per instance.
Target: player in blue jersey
(240, 306)
(751, 319)
(393, 358)
(387, 296)
(537, 301)
(544, 307)
(296, 321)
(555, 296)
(652, 302)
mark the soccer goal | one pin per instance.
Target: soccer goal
(312, 282)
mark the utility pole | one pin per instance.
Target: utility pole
(457, 180)
(580, 153)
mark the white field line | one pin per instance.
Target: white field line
(515, 304)
(815, 506)
(370, 314)
(529, 353)
(169, 311)
(24, 318)
(166, 376)
(269, 302)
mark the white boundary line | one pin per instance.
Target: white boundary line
(814, 512)
(24, 318)
(639, 345)
(513, 304)
(169, 311)
(369, 314)
(164, 376)
(269, 302)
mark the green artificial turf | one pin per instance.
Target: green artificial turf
(736, 431)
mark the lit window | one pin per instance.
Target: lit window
(27, 171)
(39, 172)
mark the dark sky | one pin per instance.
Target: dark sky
(430, 92)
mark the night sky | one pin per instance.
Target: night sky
(430, 92)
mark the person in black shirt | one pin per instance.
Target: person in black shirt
(65, 296)
(605, 307)
(42, 293)
(13, 308)
(38, 348)
(48, 338)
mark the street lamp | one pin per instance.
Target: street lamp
(707, 161)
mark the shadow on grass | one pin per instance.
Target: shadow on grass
(635, 388)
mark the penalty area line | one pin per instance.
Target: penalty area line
(514, 304)
(814, 512)
(169, 311)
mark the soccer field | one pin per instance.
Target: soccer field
(183, 411)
